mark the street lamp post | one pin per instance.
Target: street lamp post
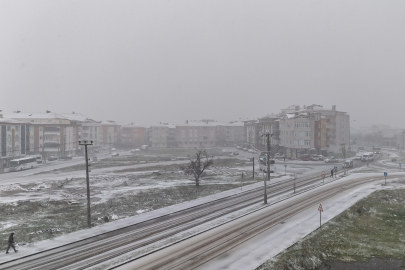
(86, 143)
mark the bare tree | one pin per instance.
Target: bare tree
(197, 165)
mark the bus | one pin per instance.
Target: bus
(23, 163)
(376, 149)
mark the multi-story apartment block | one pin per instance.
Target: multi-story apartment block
(313, 130)
(134, 135)
(109, 134)
(50, 133)
(254, 129)
(88, 130)
(199, 134)
(162, 135)
(14, 140)
(234, 133)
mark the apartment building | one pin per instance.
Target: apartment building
(162, 135)
(134, 135)
(88, 130)
(234, 133)
(197, 134)
(313, 129)
(50, 133)
(109, 135)
(14, 140)
(254, 129)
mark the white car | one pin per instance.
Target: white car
(115, 154)
(251, 151)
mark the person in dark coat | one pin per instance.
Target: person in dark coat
(11, 242)
(331, 173)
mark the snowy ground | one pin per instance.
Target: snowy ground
(48, 206)
(265, 246)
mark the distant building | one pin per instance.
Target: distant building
(14, 140)
(50, 133)
(162, 135)
(134, 135)
(109, 134)
(313, 130)
(198, 134)
(254, 130)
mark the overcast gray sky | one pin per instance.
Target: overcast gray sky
(148, 61)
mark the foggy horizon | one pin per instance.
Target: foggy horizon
(171, 61)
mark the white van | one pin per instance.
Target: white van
(38, 158)
(369, 156)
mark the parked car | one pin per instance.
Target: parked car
(331, 160)
(279, 156)
(394, 159)
(112, 149)
(305, 157)
(244, 149)
(235, 153)
(115, 154)
(251, 151)
(314, 158)
(65, 157)
(52, 158)
(320, 157)
(135, 150)
(238, 147)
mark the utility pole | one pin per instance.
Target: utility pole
(403, 139)
(253, 168)
(110, 143)
(85, 143)
(268, 135)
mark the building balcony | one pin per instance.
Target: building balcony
(50, 141)
(51, 132)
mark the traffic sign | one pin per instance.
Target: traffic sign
(320, 209)
(335, 168)
(264, 159)
(385, 174)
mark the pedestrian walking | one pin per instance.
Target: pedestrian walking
(284, 159)
(11, 242)
(331, 173)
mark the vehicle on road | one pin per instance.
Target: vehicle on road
(305, 157)
(348, 163)
(23, 163)
(360, 148)
(320, 157)
(67, 157)
(368, 156)
(239, 147)
(38, 157)
(251, 151)
(52, 158)
(244, 149)
(235, 153)
(115, 154)
(135, 150)
(394, 159)
(376, 150)
(144, 147)
(314, 157)
(331, 160)
(279, 156)
(358, 156)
